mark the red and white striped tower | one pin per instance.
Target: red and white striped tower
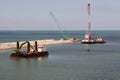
(89, 18)
(89, 23)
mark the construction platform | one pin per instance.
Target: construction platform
(31, 51)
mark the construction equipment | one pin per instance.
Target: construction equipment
(59, 26)
(36, 52)
(88, 36)
(18, 48)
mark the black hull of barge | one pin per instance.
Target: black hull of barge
(96, 42)
(88, 42)
(23, 55)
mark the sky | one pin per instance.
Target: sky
(70, 14)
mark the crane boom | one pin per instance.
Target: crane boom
(58, 25)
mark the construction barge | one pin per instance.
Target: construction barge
(88, 36)
(31, 51)
(89, 40)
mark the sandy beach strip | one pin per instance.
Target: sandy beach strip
(12, 45)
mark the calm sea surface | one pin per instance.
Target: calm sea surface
(66, 61)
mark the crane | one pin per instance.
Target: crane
(18, 49)
(58, 26)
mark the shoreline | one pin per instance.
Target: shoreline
(12, 45)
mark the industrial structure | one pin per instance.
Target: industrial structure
(88, 36)
(31, 51)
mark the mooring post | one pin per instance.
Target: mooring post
(17, 45)
(28, 47)
(36, 46)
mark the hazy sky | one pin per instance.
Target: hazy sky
(72, 14)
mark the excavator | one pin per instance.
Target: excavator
(19, 47)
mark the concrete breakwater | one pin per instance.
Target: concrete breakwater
(12, 45)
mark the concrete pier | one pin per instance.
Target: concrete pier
(12, 45)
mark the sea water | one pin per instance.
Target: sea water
(65, 61)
